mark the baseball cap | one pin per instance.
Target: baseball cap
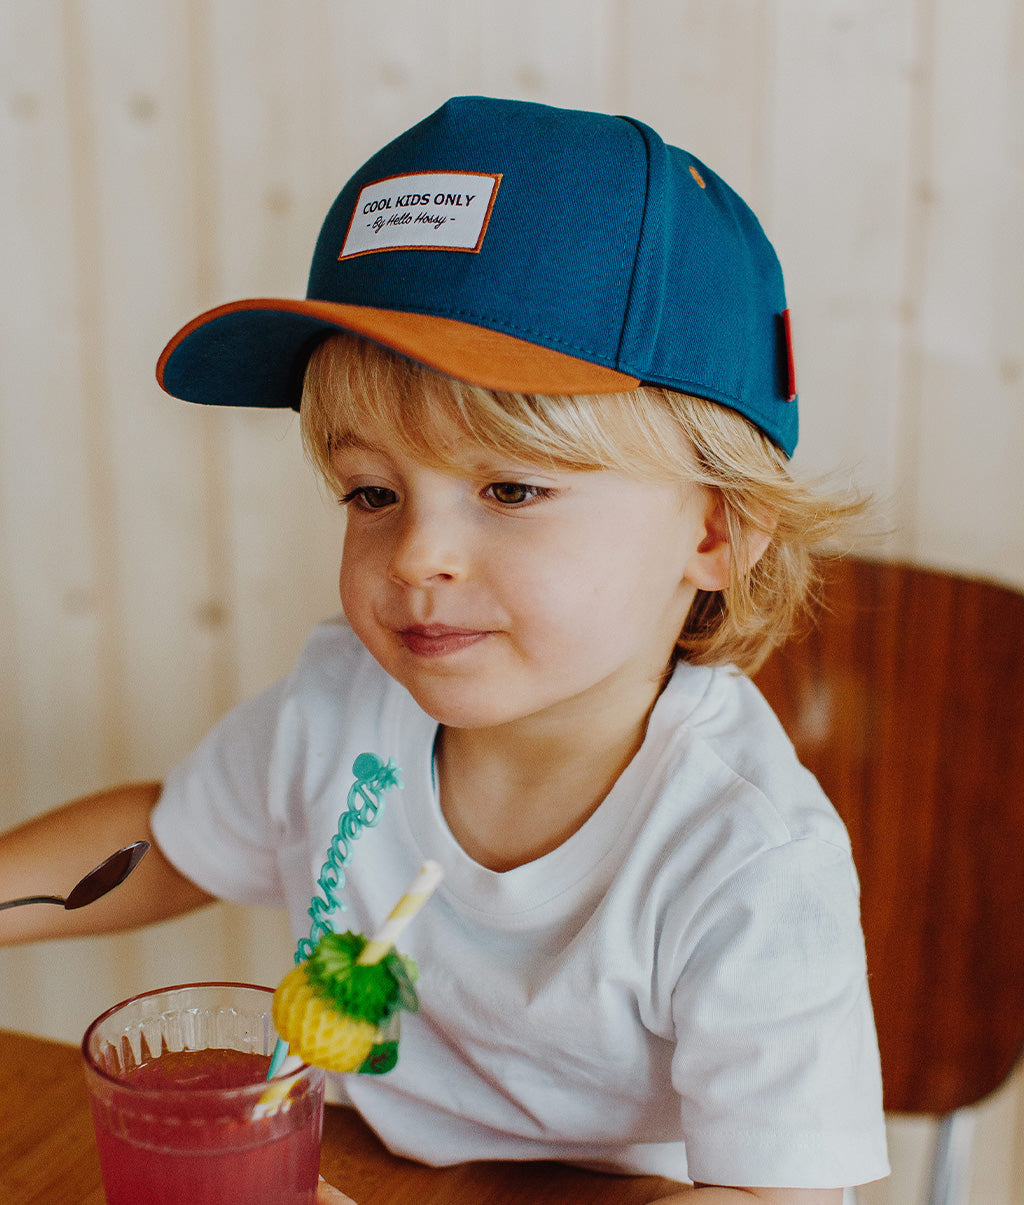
(524, 247)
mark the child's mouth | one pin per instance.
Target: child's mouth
(436, 640)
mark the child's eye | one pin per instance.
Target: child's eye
(369, 497)
(515, 493)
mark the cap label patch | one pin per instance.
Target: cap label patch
(426, 211)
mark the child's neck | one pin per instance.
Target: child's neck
(513, 793)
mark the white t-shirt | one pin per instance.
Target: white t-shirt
(677, 989)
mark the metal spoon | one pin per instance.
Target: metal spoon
(109, 874)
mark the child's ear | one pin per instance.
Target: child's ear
(709, 567)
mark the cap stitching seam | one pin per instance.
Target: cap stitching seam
(638, 127)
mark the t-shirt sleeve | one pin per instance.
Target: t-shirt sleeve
(213, 820)
(776, 1059)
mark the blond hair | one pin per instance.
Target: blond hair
(650, 433)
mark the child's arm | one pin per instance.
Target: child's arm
(49, 854)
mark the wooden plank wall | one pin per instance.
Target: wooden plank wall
(158, 562)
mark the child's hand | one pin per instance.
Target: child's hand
(327, 1195)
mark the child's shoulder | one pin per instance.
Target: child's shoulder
(335, 676)
(728, 750)
(722, 707)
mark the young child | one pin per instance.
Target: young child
(544, 364)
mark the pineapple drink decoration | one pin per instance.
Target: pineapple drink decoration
(338, 1008)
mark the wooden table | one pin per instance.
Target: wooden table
(48, 1154)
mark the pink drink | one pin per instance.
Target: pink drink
(181, 1126)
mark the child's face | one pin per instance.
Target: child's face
(504, 590)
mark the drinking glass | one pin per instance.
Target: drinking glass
(178, 1093)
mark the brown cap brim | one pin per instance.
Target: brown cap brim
(470, 353)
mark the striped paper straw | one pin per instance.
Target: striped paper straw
(420, 890)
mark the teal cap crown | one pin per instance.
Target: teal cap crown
(525, 247)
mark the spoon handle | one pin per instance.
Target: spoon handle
(33, 899)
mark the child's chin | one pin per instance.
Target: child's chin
(452, 711)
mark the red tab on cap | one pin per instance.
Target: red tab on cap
(787, 333)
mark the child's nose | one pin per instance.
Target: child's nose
(427, 549)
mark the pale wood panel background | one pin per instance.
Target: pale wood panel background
(159, 562)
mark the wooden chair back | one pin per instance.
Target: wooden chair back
(907, 703)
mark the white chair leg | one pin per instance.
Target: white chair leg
(849, 1196)
(951, 1162)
